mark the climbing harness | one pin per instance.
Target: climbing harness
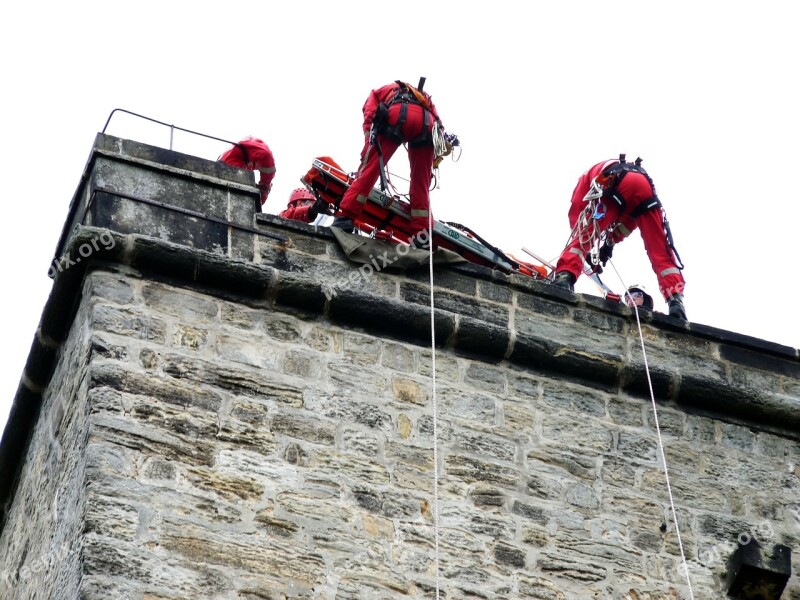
(604, 189)
(404, 95)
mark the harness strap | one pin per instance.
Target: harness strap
(245, 156)
(619, 170)
(386, 220)
(426, 137)
(382, 169)
(671, 243)
(649, 204)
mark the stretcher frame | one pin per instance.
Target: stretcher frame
(390, 216)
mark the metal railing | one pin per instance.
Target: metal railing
(172, 128)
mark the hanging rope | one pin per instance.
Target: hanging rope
(434, 408)
(658, 433)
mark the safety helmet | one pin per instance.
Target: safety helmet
(637, 296)
(600, 182)
(300, 194)
(608, 174)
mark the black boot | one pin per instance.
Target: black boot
(344, 223)
(676, 307)
(565, 279)
(421, 241)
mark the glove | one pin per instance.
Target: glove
(605, 251)
(316, 208)
(264, 189)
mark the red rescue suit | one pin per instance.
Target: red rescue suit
(298, 211)
(635, 189)
(416, 130)
(253, 154)
(300, 206)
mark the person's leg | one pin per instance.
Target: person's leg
(416, 131)
(670, 279)
(356, 195)
(421, 162)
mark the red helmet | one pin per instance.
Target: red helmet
(300, 194)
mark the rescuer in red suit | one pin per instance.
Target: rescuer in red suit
(627, 196)
(301, 206)
(253, 154)
(399, 116)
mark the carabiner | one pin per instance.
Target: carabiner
(599, 211)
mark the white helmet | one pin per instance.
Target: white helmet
(637, 295)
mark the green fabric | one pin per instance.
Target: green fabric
(362, 249)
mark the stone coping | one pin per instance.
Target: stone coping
(282, 283)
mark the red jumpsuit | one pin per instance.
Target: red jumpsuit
(298, 210)
(420, 157)
(256, 157)
(634, 188)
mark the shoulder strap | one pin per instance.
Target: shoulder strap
(245, 155)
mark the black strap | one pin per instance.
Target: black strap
(618, 171)
(613, 195)
(649, 204)
(382, 166)
(671, 243)
(386, 220)
(245, 156)
(426, 137)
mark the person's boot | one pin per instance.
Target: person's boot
(676, 307)
(421, 241)
(344, 223)
(565, 279)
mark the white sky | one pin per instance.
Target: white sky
(705, 92)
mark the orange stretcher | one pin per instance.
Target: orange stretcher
(388, 217)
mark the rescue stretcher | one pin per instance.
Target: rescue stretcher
(388, 217)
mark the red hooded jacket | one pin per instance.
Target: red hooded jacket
(253, 154)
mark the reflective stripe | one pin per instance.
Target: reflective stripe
(419, 213)
(670, 271)
(267, 170)
(361, 198)
(623, 230)
(578, 252)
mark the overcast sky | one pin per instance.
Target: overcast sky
(704, 92)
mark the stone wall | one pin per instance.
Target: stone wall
(236, 422)
(41, 542)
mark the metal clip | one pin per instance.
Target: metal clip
(599, 211)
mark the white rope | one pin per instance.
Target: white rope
(658, 432)
(586, 231)
(434, 408)
(439, 143)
